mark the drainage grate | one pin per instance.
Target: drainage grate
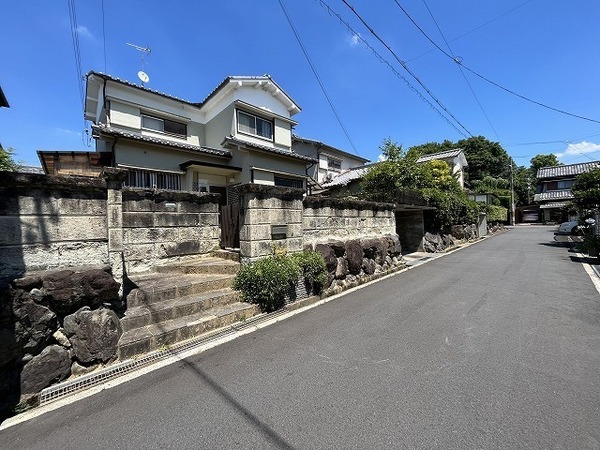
(56, 392)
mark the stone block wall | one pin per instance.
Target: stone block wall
(330, 219)
(163, 224)
(50, 222)
(264, 207)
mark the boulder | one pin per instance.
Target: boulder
(338, 247)
(342, 269)
(34, 324)
(457, 231)
(66, 290)
(354, 255)
(94, 335)
(77, 369)
(328, 255)
(53, 364)
(368, 266)
(394, 245)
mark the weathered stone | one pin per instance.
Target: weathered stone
(37, 294)
(93, 334)
(338, 247)
(27, 283)
(77, 369)
(328, 255)
(53, 364)
(66, 290)
(62, 340)
(34, 325)
(457, 231)
(368, 266)
(394, 245)
(374, 249)
(342, 269)
(354, 255)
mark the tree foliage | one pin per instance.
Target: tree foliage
(549, 160)
(586, 190)
(7, 162)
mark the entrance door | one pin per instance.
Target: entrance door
(230, 226)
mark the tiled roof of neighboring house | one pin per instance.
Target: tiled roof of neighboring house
(347, 176)
(553, 195)
(154, 140)
(137, 86)
(30, 169)
(553, 205)
(567, 170)
(441, 155)
(322, 144)
(233, 141)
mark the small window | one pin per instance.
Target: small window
(289, 182)
(565, 184)
(153, 180)
(334, 164)
(250, 124)
(164, 126)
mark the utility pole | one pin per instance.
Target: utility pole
(512, 194)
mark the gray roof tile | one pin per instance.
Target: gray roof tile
(567, 170)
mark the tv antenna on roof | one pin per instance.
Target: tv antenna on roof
(145, 51)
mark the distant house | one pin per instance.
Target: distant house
(454, 158)
(554, 188)
(240, 133)
(331, 161)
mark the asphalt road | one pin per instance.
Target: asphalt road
(494, 346)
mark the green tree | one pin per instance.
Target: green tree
(538, 161)
(7, 162)
(586, 191)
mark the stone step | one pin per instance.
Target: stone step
(154, 336)
(204, 265)
(230, 254)
(153, 313)
(152, 288)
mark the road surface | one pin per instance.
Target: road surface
(494, 346)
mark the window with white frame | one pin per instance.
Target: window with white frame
(164, 125)
(153, 180)
(257, 126)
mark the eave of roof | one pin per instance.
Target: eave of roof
(237, 142)
(322, 144)
(348, 176)
(566, 170)
(3, 100)
(442, 155)
(157, 141)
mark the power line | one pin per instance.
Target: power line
(460, 68)
(314, 70)
(460, 36)
(359, 38)
(405, 66)
(76, 49)
(103, 35)
(460, 63)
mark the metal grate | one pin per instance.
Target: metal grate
(70, 387)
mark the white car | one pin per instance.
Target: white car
(568, 227)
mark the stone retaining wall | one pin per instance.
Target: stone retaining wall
(50, 222)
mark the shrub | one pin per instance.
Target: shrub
(268, 281)
(496, 213)
(313, 268)
(452, 208)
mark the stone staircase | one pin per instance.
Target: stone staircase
(180, 300)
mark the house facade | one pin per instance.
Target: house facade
(331, 161)
(240, 133)
(553, 191)
(454, 158)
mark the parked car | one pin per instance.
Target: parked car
(570, 227)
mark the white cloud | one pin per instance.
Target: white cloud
(579, 149)
(354, 40)
(84, 32)
(67, 132)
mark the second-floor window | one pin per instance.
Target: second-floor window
(164, 125)
(251, 124)
(334, 164)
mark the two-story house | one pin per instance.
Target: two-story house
(332, 161)
(554, 188)
(240, 133)
(455, 159)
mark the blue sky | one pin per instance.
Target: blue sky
(547, 50)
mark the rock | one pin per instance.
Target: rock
(66, 290)
(368, 266)
(328, 255)
(34, 324)
(375, 249)
(77, 369)
(342, 269)
(36, 294)
(53, 364)
(93, 334)
(354, 255)
(27, 283)
(62, 340)
(338, 247)
(457, 231)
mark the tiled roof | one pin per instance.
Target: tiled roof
(289, 154)
(441, 155)
(137, 86)
(319, 143)
(347, 176)
(567, 170)
(154, 140)
(565, 194)
(553, 205)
